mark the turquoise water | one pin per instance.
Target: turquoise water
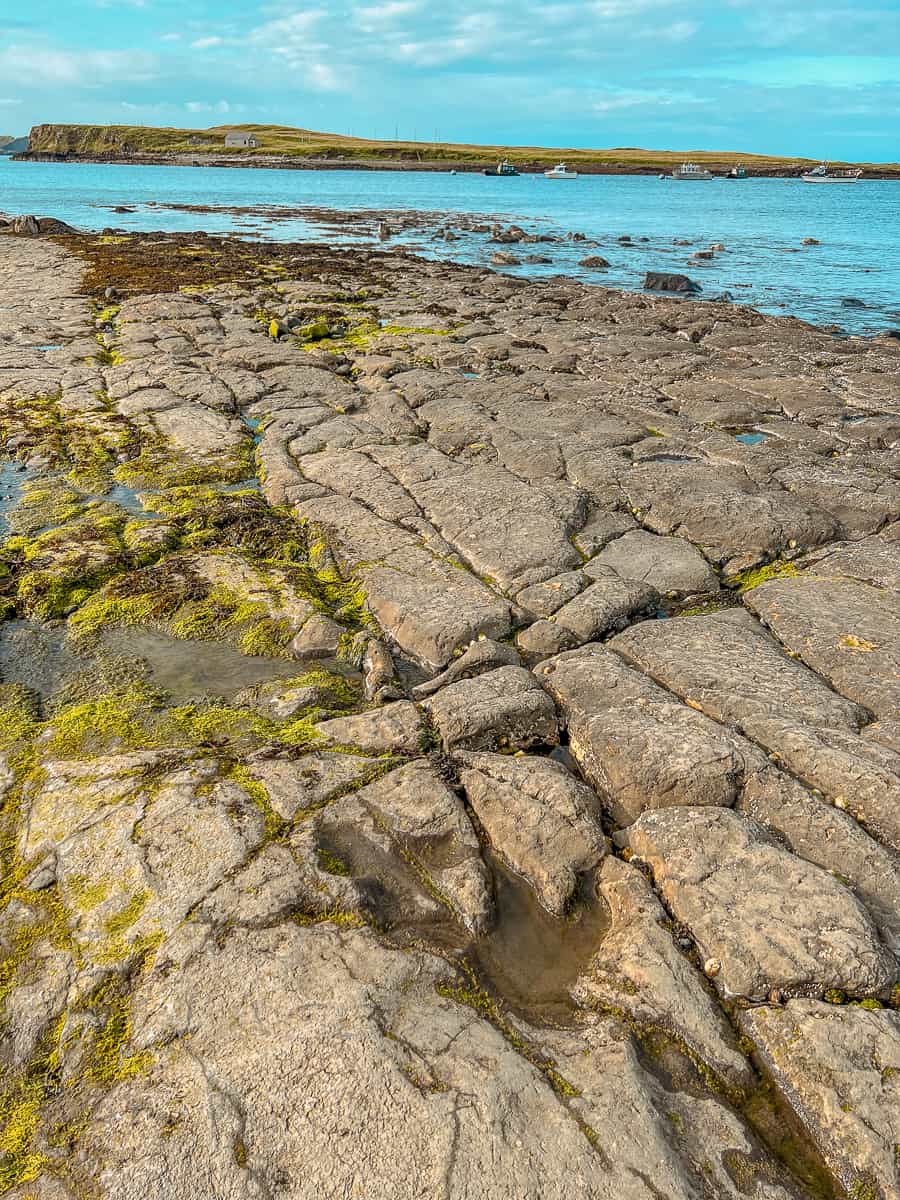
(761, 222)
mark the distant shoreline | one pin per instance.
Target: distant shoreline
(442, 166)
(283, 147)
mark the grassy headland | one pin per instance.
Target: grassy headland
(281, 145)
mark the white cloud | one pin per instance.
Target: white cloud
(32, 65)
(323, 78)
(206, 106)
(205, 43)
(680, 31)
(616, 101)
(8, 103)
(387, 12)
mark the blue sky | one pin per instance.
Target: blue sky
(815, 77)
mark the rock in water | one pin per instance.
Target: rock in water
(663, 281)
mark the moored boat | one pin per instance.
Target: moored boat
(821, 174)
(738, 172)
(561, 171)
(503, 169)
(689, 170)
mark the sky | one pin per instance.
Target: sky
(819, 78)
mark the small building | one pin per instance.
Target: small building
(241, 140)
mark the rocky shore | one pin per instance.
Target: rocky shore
(450, 733)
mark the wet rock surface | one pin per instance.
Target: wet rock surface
(448, 734)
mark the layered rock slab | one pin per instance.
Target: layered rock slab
(847, 631)
(428, 607)
(733, 520)
(640, 972)
(638, 747)
(671, 565)
(737, 674)
(838, 1067)
(764, 920)
(506, 707)
(360, 1057)
(430, 824)
(541, 820)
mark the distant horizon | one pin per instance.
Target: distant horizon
(792, 78)
(487, 145)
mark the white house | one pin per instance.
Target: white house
(246, 141)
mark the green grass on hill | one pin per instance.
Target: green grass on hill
(287, 142)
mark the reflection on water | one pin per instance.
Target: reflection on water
(128, 499)
(36, 656)
(750, 439)
(41, 658)
(190, 669)
(530, 958)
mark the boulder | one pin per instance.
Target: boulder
(26, 225)
(318, 638)
(664, 281)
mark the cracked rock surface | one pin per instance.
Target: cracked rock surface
(438, 757)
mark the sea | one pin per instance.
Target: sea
(850, 280)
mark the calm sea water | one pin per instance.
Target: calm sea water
(761, 222)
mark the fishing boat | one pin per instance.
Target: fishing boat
(503, 169)
(561, 171)
(689, 170)
(737, 172)
(821, 174)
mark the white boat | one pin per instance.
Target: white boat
(738, 172)
(821, 174)
(689, 170)
(561, 171)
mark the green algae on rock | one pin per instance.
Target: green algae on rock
(232, 877)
